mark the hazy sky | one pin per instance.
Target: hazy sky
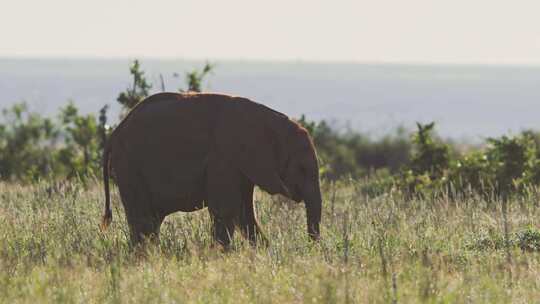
(419, 31)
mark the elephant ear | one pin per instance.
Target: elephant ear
(243, 137)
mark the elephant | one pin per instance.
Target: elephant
(189, 151)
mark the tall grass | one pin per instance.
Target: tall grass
(373, 250)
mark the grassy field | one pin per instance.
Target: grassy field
(374, 250)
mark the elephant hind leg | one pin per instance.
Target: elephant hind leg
(143, 219)
(247, 220)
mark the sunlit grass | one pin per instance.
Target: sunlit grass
(374, 250)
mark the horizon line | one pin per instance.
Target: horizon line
(272, 60)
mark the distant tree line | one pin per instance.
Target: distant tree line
(503, 167)
(34, 147)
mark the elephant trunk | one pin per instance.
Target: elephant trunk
(313, 201)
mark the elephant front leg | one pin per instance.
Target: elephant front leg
(143, 219)
(224, 199)
(222, 229)
(247, 221)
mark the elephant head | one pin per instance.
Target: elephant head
(274, 153)
(301, 176)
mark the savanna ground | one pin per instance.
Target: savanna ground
(373, 250)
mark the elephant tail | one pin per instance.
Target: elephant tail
(107, 216)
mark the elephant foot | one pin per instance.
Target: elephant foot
(144, 230)
(223, 232)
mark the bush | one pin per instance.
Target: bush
(138, 91)
(506, 166)
(33, 147)
(528, 239)
(26, 144)
(486, 240)
(353, 154)
(81, 150)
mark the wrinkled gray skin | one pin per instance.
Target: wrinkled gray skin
(183, 152)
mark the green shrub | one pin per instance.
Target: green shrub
(194, 78)
(505, 166)
(528, 239)
(353, 154)
(431, 157)
(81, 150)
(426, 173)
(471, 172)
(26, 144)
(485, 240)
(139, 90)
(381, 182)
